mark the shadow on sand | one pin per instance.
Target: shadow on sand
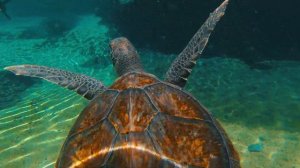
(12, 87)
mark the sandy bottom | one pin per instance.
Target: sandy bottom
(254, 106)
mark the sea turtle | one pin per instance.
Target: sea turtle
(141, 121)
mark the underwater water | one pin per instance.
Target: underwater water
(258, 108)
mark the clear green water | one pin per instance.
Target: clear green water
(254, 106)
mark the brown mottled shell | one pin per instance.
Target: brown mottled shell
(142, 122)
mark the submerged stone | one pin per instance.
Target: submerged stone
(255, 147)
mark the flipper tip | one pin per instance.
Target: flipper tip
(224, 4)
(17, 70)
(226, 1)
(9, 68)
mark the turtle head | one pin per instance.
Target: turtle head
(124, 56)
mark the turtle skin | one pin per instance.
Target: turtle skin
(142, 122)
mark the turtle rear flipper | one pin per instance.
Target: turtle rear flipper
(6, 15)
(186, 60)
(3, 8)
(5, 1)
(83, 85)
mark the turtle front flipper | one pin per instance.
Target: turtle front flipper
(83, 85)
(186, 60)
